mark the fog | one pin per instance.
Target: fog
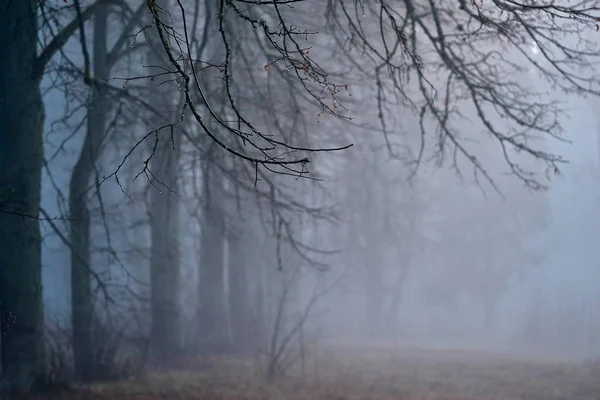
(243, 195)
(555, 285)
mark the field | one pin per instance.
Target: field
(353, 372)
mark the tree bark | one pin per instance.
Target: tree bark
(21, 161)
(82, 308)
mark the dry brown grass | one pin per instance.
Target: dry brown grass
(352, 372)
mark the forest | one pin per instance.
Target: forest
(299, 199)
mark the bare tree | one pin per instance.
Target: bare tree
(263, 149)
(98, 66)
(164, 207)
(81, 294)
(22, 122)
(430, 57)
(442, 59)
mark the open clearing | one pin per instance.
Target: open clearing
(351, 372)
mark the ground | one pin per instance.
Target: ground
(353, 372)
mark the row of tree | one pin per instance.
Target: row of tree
(201, 113)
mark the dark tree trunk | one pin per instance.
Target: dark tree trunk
(165, 333)
(21, 160)
(213, 311)
(81, 294)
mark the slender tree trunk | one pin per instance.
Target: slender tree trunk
(81, 294)
(213, 312)
(165, 333)
(164, 261)
(21, 160)
(82, 308)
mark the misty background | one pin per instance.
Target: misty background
(561, 283)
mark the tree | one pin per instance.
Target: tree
(445, 60)
(434, 58)
(21, 124)
(164, 208)
(80, 230)
(263, 150)
(21, 162)
(212, 297)
(96, 72)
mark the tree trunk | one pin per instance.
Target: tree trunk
(21, 160)
(81, 294)
(164, 261)
(82, 308)
(165, 333)
(213, 312)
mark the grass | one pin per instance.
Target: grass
(353, 372)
